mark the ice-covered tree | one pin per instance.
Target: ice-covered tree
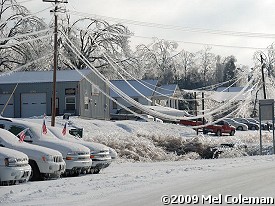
(158, 60)
(98, 41)
(15, 21)
(206, 61)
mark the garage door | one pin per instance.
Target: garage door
(9, 110)
(33, 104)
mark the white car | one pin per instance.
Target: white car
(45, 163)
(113, 153)
(99, 153)
(14, 167)
(76, 156)
(237, 125)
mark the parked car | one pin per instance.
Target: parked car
(76, 156)
(14, 167)
(113, 153)
(45, 163)
(251, 125)
(237, 125)
(100, 154)
(219, 128)
(264, 126)
(191, 122)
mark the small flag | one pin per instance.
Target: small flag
(64, 130)
(44, 127)
(22, 135)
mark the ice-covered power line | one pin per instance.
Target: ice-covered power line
(25, 35)
(196, 43)
(99, 89)
(138, 105)
(25, 41)
(176, 28)
(24, 66)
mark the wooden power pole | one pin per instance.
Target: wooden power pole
(55, 58)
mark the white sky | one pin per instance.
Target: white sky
(256, 16)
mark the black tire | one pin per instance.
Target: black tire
(253, 128)
(219, 133)
(35, 173)
(240, 128)
(232, 133)
(96, 171)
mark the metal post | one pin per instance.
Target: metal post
(273, 134)
(260, 118)
(262, 63)
(196, 110)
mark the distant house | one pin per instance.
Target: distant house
(33, 94)
(228, 93)
(167, 96)
(136, 89)
(132, 88)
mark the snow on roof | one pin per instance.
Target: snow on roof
(231, 89)
(225, 96)
(166, 90)
(146, 87)
(169, 111)
(43, 76)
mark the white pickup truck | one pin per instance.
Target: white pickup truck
(45, 163)
(14, 167)
(76, 156)
(100, 154)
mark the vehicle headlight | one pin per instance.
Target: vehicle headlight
(11, 161)
(72, 153)
(48, 158)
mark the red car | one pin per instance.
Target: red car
(219, 128)
(191, 122)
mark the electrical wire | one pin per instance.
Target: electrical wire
(133, 102)
(25, 35)
(23, 66)
(25, 41)
(176, 28)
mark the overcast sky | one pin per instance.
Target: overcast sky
(252, 16)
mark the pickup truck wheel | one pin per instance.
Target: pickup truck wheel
(232, 133)
(219, 133)
(35, 173)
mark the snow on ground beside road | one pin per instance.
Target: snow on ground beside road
(137, 178)
(153, 141)
(143, 183)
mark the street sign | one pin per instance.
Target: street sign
(266, 112)
(266, 107)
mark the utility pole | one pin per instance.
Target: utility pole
(262, 65)
(55, 58)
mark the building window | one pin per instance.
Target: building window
(70, 103)
(114, 104)
(86, 103)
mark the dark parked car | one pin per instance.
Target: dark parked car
(251, 125)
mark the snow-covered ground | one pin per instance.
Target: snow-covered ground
(144, 183)
(147, 168)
